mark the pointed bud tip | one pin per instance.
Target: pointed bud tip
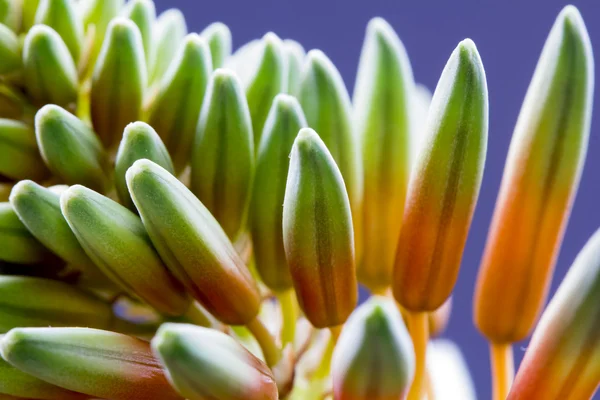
(285, 102)
(135, 129)
(21, 188)
(306, 138)
(379, 26)
(121, 26)
(271, 40)
(71, 194)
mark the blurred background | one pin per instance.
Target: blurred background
(509, 36)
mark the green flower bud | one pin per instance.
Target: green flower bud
(98, 363)
(445, 186)
(50, 73)
(374, 357)
(14, 382)
(326, 104)
(169, 31)
(61, 15)
(28, 13)
(139, 141)
(70, 148)
(18, 245)
(192, 244)
(383, 119)
(32, 302)
(317, 233)
(267, 78)
(116, 240)
(19, 154)
(294, 53)
(176, 109)
(96, 15)
(266, 214)
(118, 82)
(223, 154)
(39, 210)
(143, 14)
(204, 363)
(10, 52)
(218, 37)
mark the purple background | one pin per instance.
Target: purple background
(509, 36)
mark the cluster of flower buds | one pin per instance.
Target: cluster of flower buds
(178, 221)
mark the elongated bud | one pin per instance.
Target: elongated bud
(445, 185)
(39, 210)
(14, 382)
(327, 107)
(118, 82)
(50, 74)
(70, 148)
(9, 50)
(96, 15)
(176, 109)
(169, 31)
(41, 302)
(317, 233)
(374, 335)
(438, 319)
(61, 15)
(541, 177)
(449, 376)
(267, 80)
(218, 37)
(28, 11)
(563, 357)
(384, 82)
(140, 141)
(223, 155)
(192, 244)
(266, 214)
(18, 245)
(19, 154)
(10, 14)
(294, 53)
(116, 240)
(204, 363)
(143, 14)
(98, 363)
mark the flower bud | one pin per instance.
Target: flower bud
(61, 16)
(169, 31)
(139, 141)
(18, 245)
(540, 180)
(32, 302)
(192, 244)
(374, 357)
(116, 240)
(96, 15)
(267, 78)
(175, 111)
(119, 81)
(317, 233)
(70, 148)
(223, 154)
(10, 52)
(563, 357)
(97, 363)
(444, 186)
(326, 104)
(19, 154)
(218, 37)
(38, 208)
(14, 382)
(49, 70)
(143, 14)
(384, 82)
(266, 214)
(204, 363)
(294, 53)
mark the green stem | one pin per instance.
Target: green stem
(289, 315)
(324, 368)
(198, 316)
(266, 341)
